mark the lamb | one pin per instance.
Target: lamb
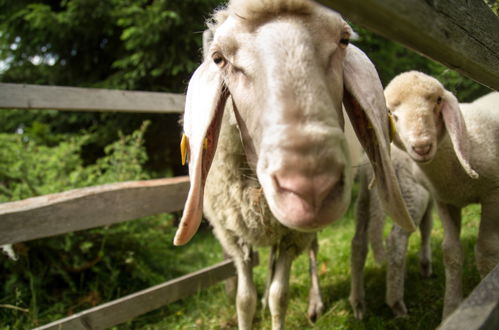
(457, 149)
(268, 99)
(370, 219)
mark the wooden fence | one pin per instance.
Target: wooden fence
(461, 34)
(98, 206)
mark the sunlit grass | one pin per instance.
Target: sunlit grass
(210, 309)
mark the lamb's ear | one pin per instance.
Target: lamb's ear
(456, 127)
(365, 104)
(204, 106)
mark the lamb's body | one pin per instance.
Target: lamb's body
(370, 219)
(444, 171)
(457, 149)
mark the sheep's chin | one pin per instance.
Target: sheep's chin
(295, 213)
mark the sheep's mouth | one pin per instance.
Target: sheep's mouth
(421, 159)
(422, 154)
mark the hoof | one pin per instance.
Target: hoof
(399, 309)
(359, 309)
(425, 268)
(315, 310)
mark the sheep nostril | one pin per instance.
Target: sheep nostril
(313, 190)
(422, 150)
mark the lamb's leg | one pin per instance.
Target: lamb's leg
(453, 256)
(376, 226)
(395, 270)
(487, 244)
(270, 275)
(246, 293)
(230, 283)
(315, 304)
(359, 252)
(278, 294)
(425, 253)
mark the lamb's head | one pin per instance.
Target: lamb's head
(284, 65)
(424, 112)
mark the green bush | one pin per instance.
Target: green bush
(57, 276)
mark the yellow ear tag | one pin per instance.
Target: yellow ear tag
(392, 128)
(205, 143)
(184, 148)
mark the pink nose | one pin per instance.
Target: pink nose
(303, 196)
(422, 149)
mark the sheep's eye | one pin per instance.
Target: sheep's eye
(344, 42)
(219, 60)
(439, 100)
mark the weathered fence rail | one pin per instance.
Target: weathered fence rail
(23, 96)
(90, 207)
(461, 34)
(480, 310)
(131, 306)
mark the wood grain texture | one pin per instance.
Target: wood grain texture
(22, 96)
(131, 306)
(91, 207)
(480, 310)
(461, 34)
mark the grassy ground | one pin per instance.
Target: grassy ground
(211, 309)
(60, 276)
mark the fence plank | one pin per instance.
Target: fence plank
(129, 307)
(22, 96)
(461, 34)
(91, 207)
(480, 310)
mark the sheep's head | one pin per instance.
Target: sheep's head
(424, 112)
(284, 65)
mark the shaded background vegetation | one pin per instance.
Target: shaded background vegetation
(151, 45)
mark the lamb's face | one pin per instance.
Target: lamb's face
(285, 79)
(415, 101)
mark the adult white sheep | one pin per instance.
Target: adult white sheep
(457, 149)
(281, 170)
(370, 220)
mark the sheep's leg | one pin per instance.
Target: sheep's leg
(230, 283)
(359, 252)
(315, 304)
(487, 246)
(453, 256)
(395, 271)
(425, 253)
(246, 294)
(278, 294)
(376, 227)
(270, 275)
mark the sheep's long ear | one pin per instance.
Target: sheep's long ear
(205, 103)
(365, 104)
(456, 127)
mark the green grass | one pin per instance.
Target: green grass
(139, 254)
(211, 309)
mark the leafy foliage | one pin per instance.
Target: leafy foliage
(30, 167)
(58, 276)
(126, 44)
